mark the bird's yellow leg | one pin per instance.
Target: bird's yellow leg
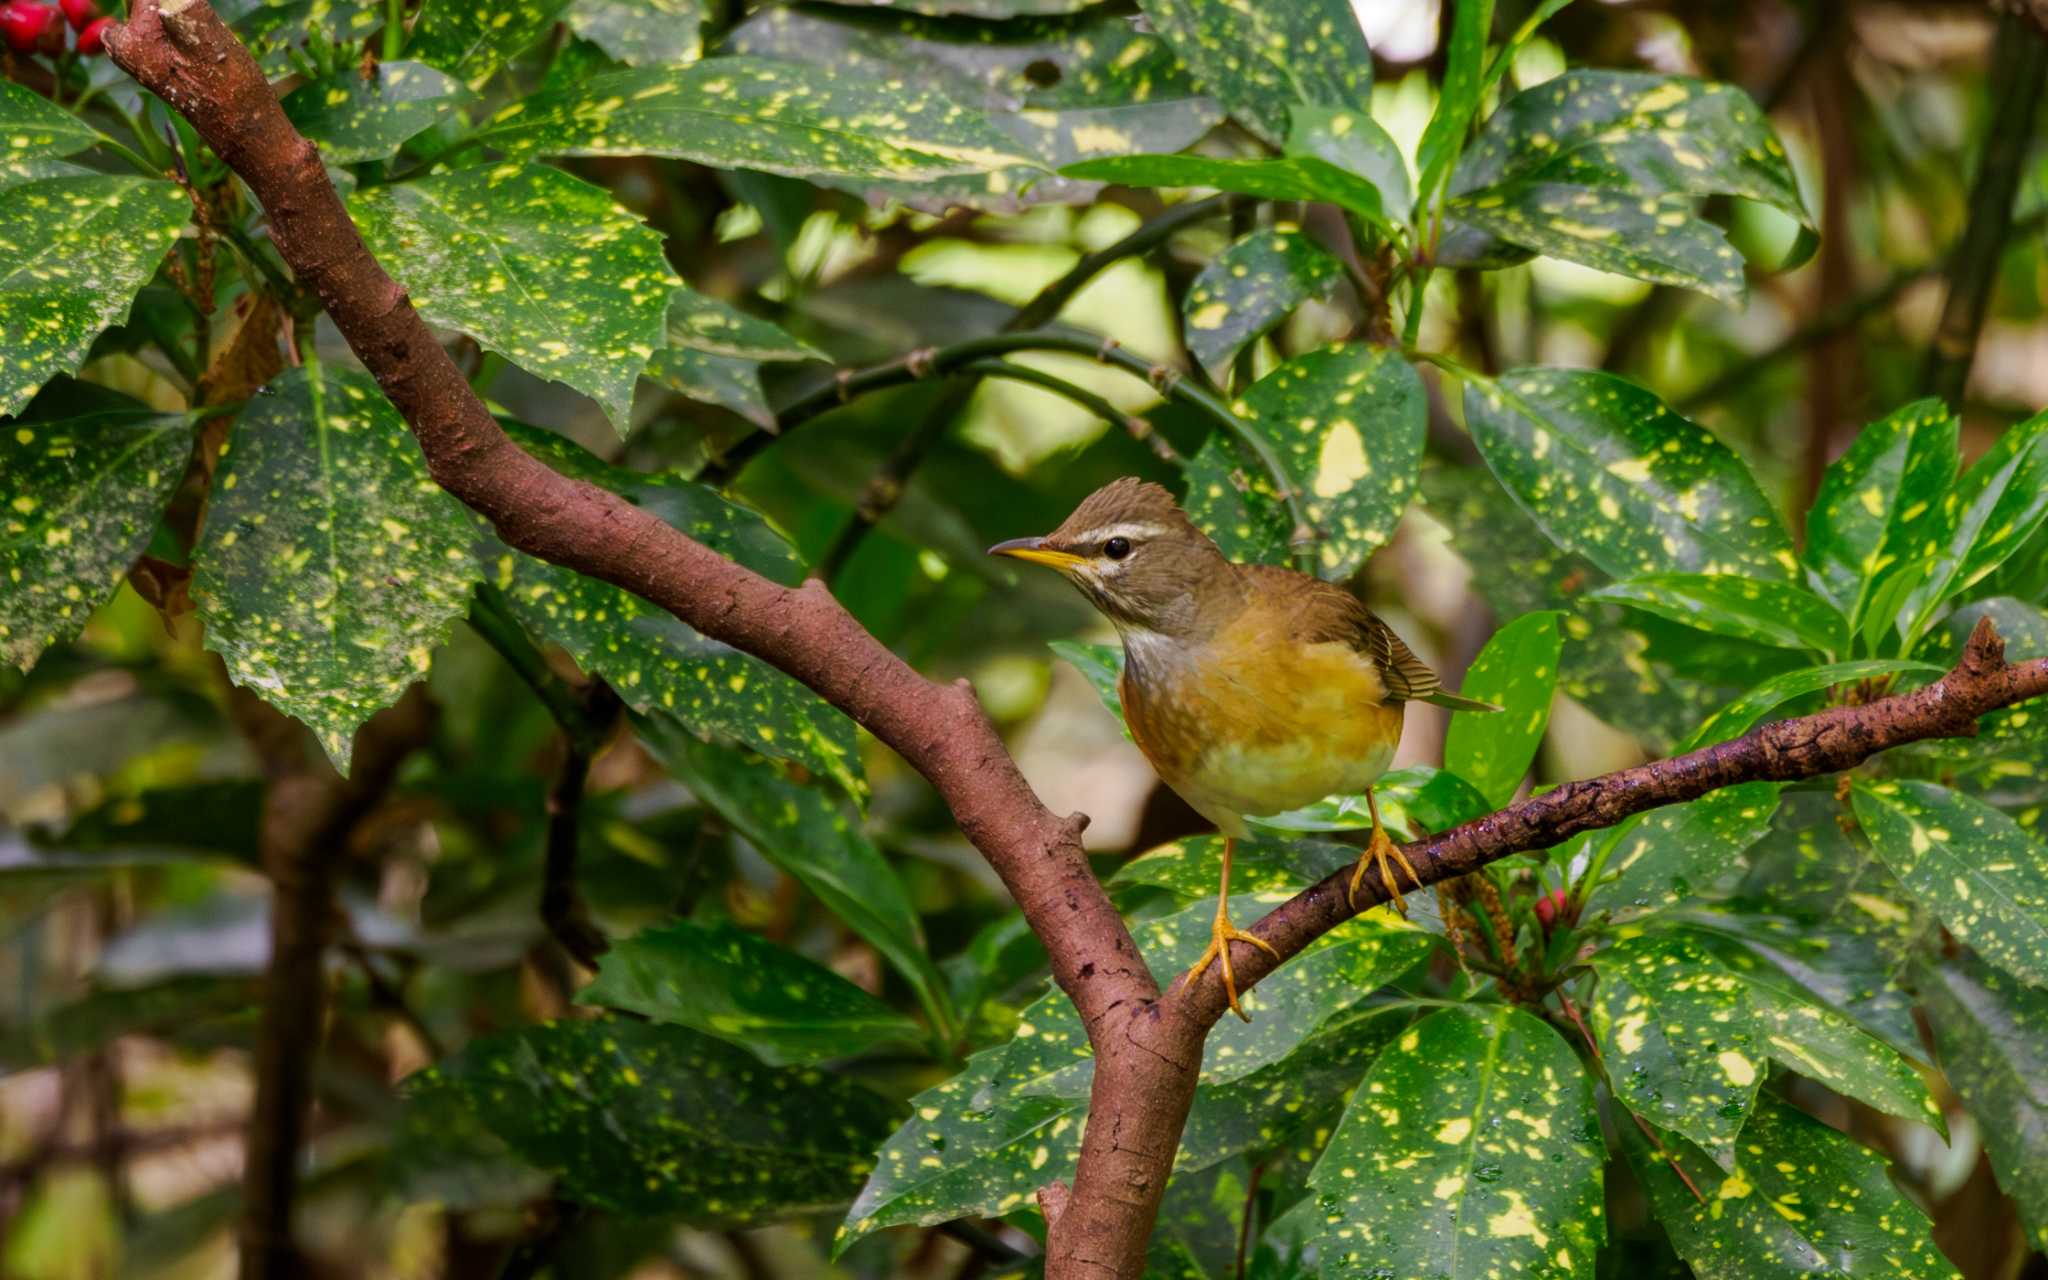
(1382, 852)
(1222, 933)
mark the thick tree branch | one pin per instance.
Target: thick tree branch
(1148, 1048)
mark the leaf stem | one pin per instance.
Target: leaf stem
(394, 29)
(1137, 428)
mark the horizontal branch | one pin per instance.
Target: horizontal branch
(1784, 751)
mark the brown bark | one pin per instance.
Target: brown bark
(1148, 1047)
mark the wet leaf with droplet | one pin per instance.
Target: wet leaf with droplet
(1670, 855)
(1798, 1200)
(84, 485)
(1968, 863)
(1573, 444)
(1471, 1149)
(74, 249)
(646, 1119)
(1249, 288)
(738, 986)
(331, 565)
(541, 267)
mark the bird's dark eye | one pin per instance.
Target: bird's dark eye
(1117, 548)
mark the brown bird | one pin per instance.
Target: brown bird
(1252, 689)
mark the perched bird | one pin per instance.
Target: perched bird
(1252, 689)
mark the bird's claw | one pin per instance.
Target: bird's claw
(1383, 853)
(1221, 934)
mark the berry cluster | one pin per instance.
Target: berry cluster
(32, 27)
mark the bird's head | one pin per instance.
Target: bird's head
(1136, 556)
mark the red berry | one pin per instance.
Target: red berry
(93, 40)
(79, 13)
(24, 23)
(1546, 911)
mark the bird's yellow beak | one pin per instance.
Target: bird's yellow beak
(1035, 550)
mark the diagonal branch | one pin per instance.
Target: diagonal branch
(1148, 1048)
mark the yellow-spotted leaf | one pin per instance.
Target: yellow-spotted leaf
(641, 33)
(1347, 424)
(1968, 863)
(32, 127)
(273, 29)
(757, 113)
(1992, 1031)
(541, 267)
(656, 662)
(331, 565)
(1799, 1200)
(652, 1120)
(1742, 714)
(1611, 473)
(2011, 746)
(1261, 60)
(1293, 177)
(352, 118)
(1190, 868)
(742, 988)
(1668, 856)
(1250, 287)
(1062, 89)
(1988, 514)
(1471, 1149)
(1517, 672)
(1877, 501)
(1682, 1045)
(86, 475)
(1235, 502)
(1775, 613)
(1604, 167)
(74, 249)
(714, 353)
(470, 41)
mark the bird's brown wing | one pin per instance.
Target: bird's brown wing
(1320, 611)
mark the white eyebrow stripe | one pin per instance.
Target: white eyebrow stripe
(1128, 529)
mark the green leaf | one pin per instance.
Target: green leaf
(973, 1149)
(812, 839)
(1993, 1036)
(1799, 1200)
(1990, 513)
(1457, 99)
(1235, 503)
(1610, 473)
(714, 353)
(1969, 863)
(1682, 1046)
(656, 662)
(1414, 800)
(271, 29)
(1063, 90)
(74, 249)
(1742, 714)
(1600, 167)
(1774, 613)
(355, 119)
(1804, 1035)
(1517, 672)
(1192, 867)
(2011, 746)
(646, 1120)
(331, 565)
(1314, 989)
(1102, 665)
(755, 113)
(1261, 60)
(1877, 501)
(1472, 1149)
(1315, 411)
(86, 488)
(536, 265)
(641, 33)
(991, 9)
(1249, 288)
(1667, 856)
(1294, 177)
(32, 127)
(726, 982)
(471, 41)
(1355, 143)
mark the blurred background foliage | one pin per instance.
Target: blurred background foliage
(796, 939)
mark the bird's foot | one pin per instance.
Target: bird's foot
(1221, 934)
(1383, 853)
